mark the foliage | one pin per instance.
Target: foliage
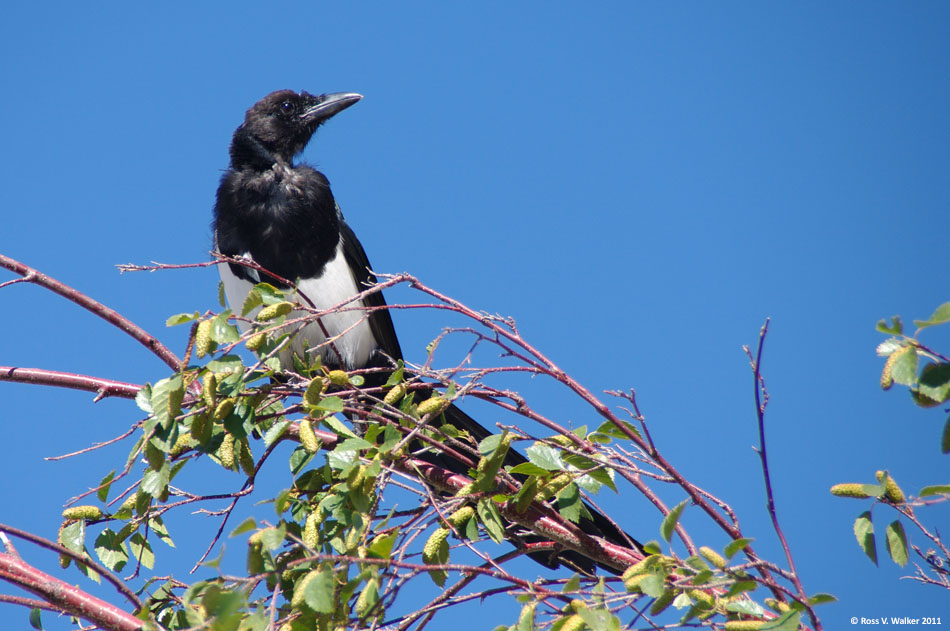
(365, 514)
(926, 374)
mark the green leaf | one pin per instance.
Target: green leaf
(527, 468)
(653, 586)
(396, 377)
(318, 592)
(934, 382)
(572, 585)
(222, 298)
(181, 318)
(904, 366)
(864, 532)
(945, 440)
(166, 399)
(72, 536)
(382, 547)
(158, 527)
(104, 485)
(252, 300)
(670, 521)
(155, 483)
(35, 621)
(821, 599)
(788, 621)
(275, 432)
(489, 444)
(491, 519)
(330, 404)
(937, 489)
(940, 316)
(246, 526)
(734, 546)
(142, 550)
(569, 503)
(224, 606)
(111, 550)
(743, 586)
(897, 542)
(544, 456)
(226, 364)
(896, 328)
(222, 331)
(597, 619)
(143, 398)
(889, 345)
(610, 429)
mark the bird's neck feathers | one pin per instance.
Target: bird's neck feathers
(248, 151)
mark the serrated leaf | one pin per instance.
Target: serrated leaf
(111, 550)
(166, 398)
(154, 483)
(864, 532)
(653, 586)
(491, 520)
(569, 503)
(940, 316)
(545, 456)
(572, 585)
(104, 485)
(222, 299)
(397, 376)
(273, 434)
(222, 331)
(821, 599)
(72, 536)
(527, 468)
(742, 586)
(318, 593)
(734, 546)
(181, 318)
(224, 606)
(612, 430)
(896, 542)
(143, 398)
(227, 365)
(142, 550)
(382, 547)
(158, 527)
(330, 404)
(670, 521)
(934, 382)
(245, 526)
(936, 489)
(745, 606)
(888, 346)
(252, 300)
(788, 621)
(903, 365)
(596, 619)
(896, 328)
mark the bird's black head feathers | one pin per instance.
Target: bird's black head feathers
(280, 125)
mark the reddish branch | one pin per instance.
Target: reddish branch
(109, 315)
(65, 597)
(42, 377)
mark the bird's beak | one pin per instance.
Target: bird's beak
(326, 105)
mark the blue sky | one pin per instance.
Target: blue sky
(640, 185)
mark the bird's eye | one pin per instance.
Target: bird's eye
(287, 107)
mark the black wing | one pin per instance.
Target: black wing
(380, 322)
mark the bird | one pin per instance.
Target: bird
(281, 215)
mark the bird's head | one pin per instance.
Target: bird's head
(284, 121)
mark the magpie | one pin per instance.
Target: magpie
(282, 216)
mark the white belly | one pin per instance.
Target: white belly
(349, 330)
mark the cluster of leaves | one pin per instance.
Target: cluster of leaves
(926, 373)
(337, 551)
